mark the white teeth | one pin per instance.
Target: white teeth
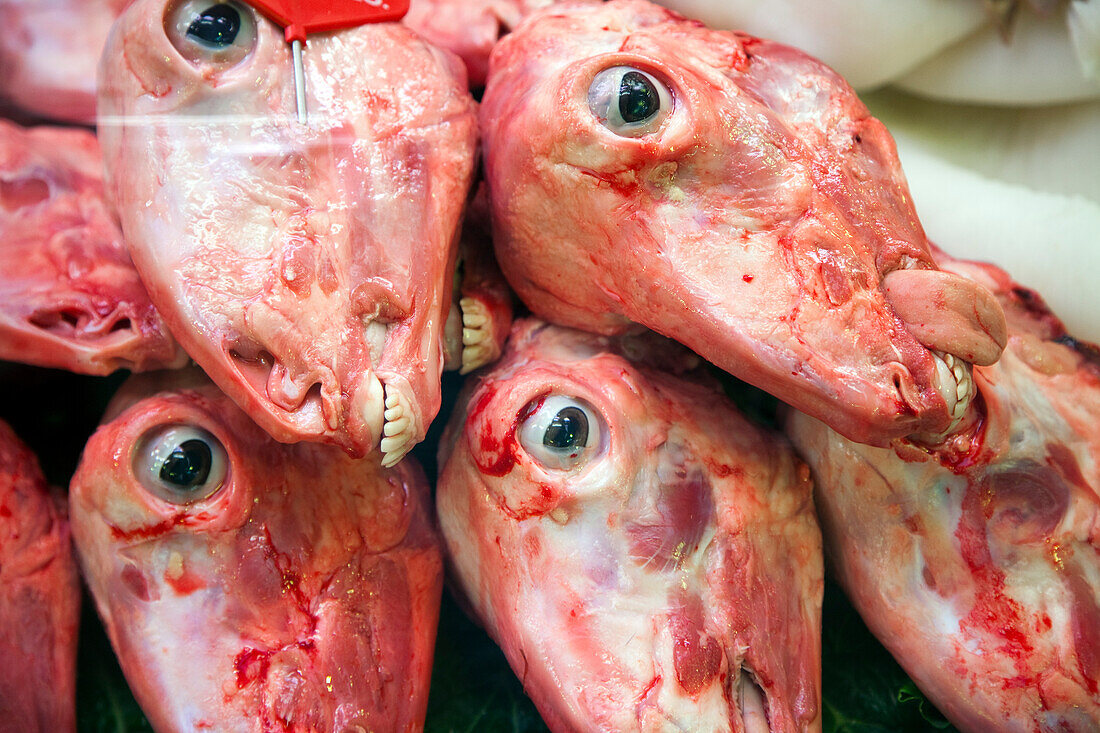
(473, 315)
(396, 426)
(965, 384)
(953, 379)
(374, 333)
(905, 262)
(956, 383)
(477, 335)
(375, 394)
(395, 408)
(398, 432)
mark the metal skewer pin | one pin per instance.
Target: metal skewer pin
(299, 80)
(300, 17)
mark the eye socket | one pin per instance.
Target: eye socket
(180, 464)
(213, 31)
(628, 101)
(560, 432)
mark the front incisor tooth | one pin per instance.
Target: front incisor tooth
(391, 444)
(955, 383)
(478, 348)
(395, 427)
(473, 314)
(393, 399)
(958, 367)
(475, 355)
(393, 450)
(946, 382)
(395, 408)
(394, 447)
(963, 392)
(474, 319)
(473, 336)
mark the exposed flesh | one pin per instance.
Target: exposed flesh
(755, 224)
(70, 297)
(303, 594)
(39, 599)
(49, 51)
(469, 28)
(307, 269)
(670, 578)
(975, 563)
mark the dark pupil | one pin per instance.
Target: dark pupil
(568, 429)
(638, 99)
(188, 466)
(216, 26)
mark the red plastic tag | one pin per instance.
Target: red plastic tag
(300, 17)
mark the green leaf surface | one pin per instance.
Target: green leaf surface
(473, 689)
(864, 690)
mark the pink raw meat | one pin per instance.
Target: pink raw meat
(646, 558)
(731, 193)
(977, 563)
(308, 269)
(249, 585)
(39, 599)
(70, 297)
(49, 50)
(470, 28)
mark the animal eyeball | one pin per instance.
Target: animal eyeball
(629, 101)
(180, 464)
(218, 31)
(560, 432)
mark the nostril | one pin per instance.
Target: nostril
(313, 394)
(301, 393)
(23, 192)
(252, 357)
(314, 404)
(122, 324)
(252, 364)
(63, 321)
